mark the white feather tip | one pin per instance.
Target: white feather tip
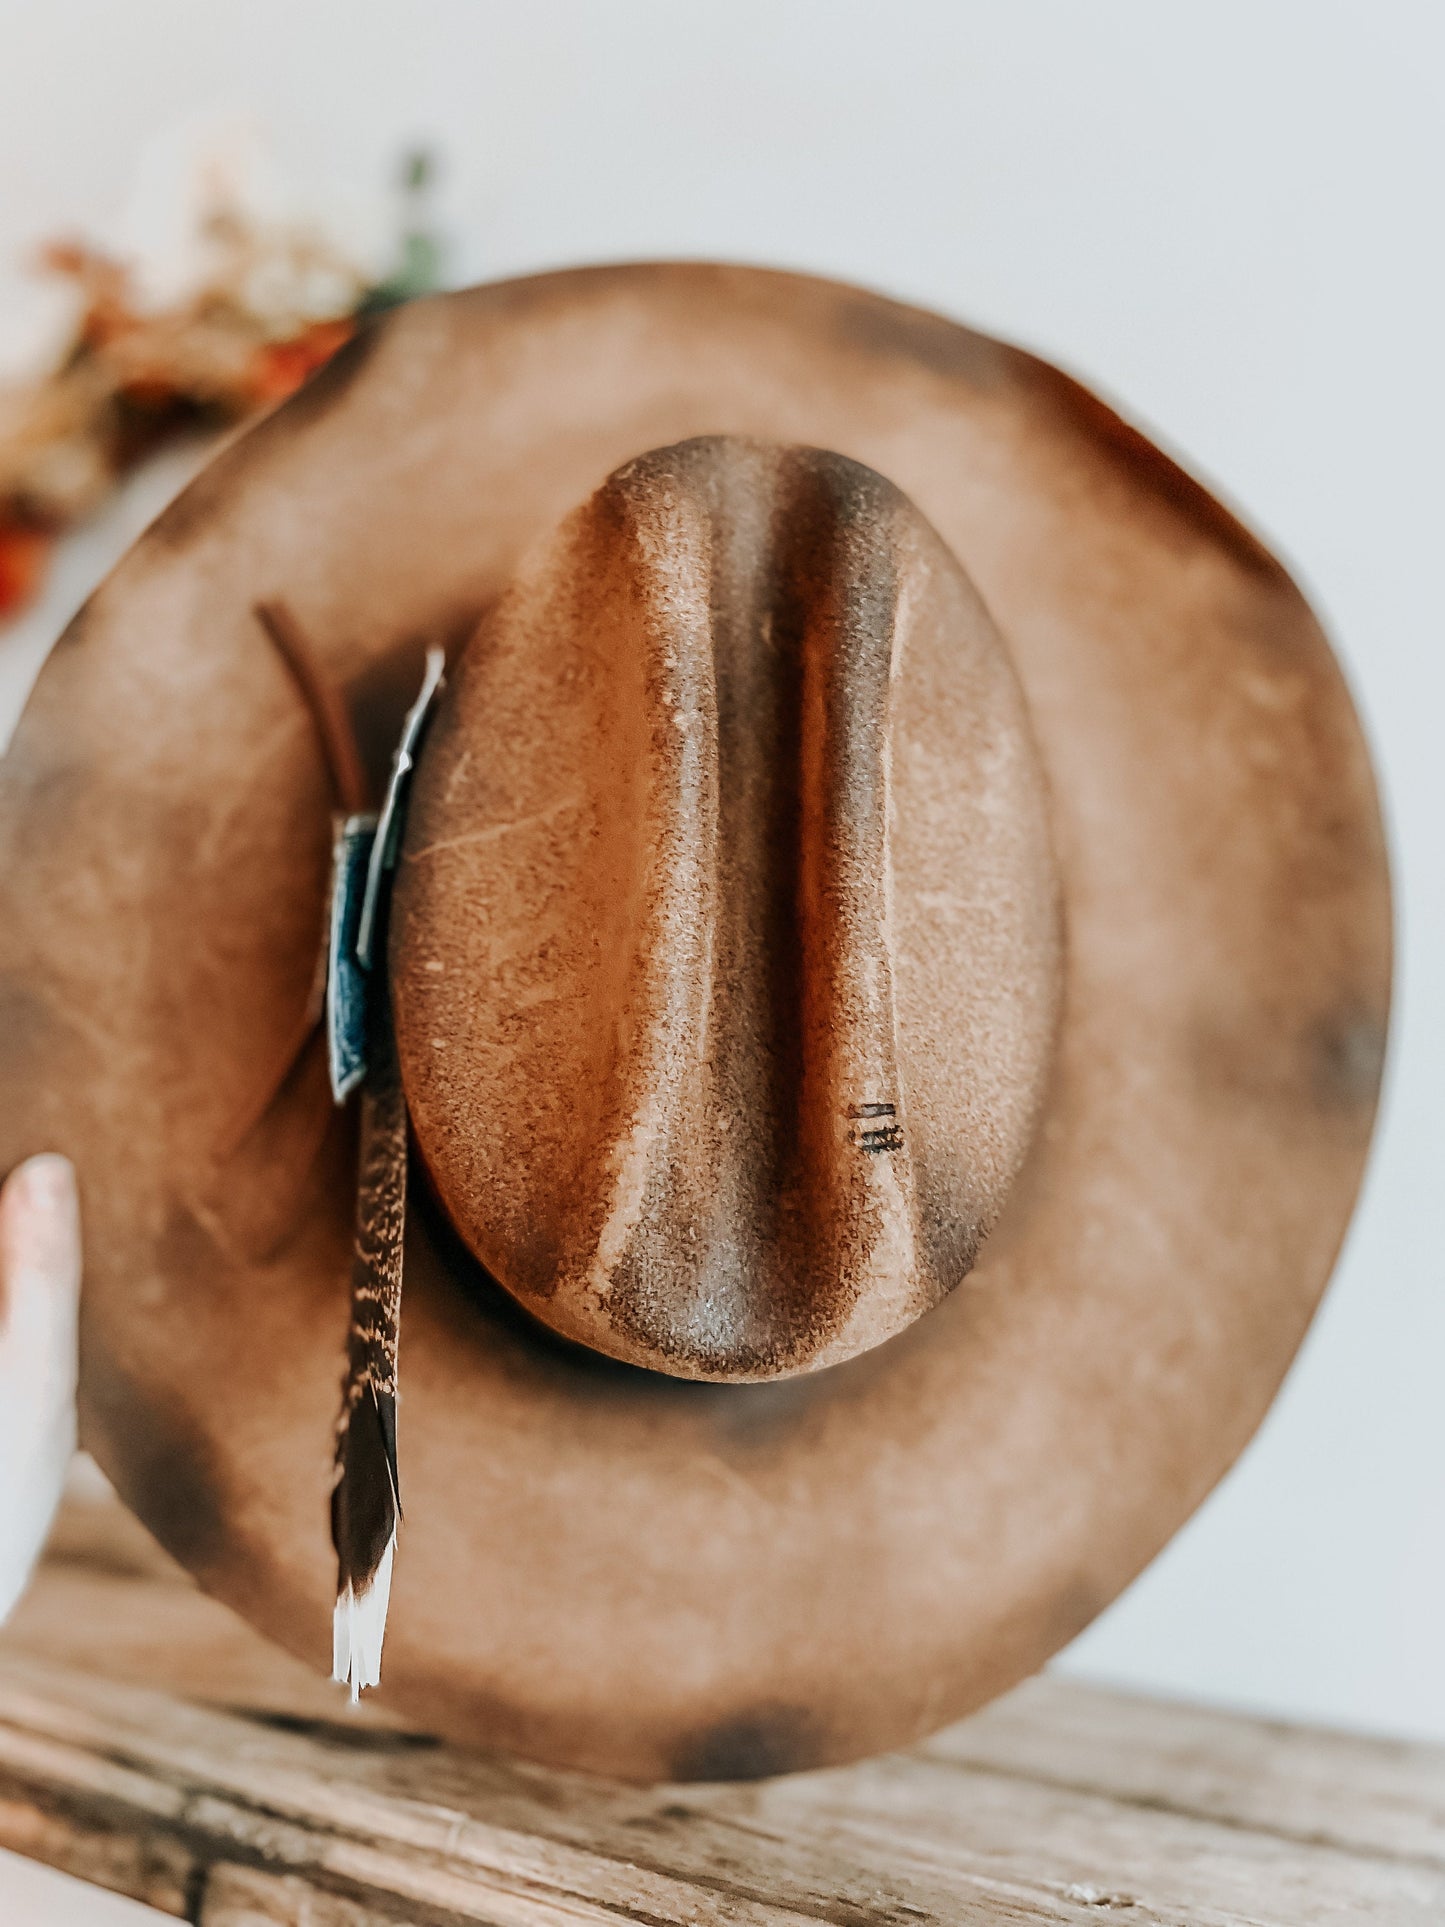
(359, 1627)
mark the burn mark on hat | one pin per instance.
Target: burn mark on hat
(944, 347)
(753, 1745)
(160, 1460)
(1332, 1063)
(1348, 1052)
(1152, 471)
(1075, 1604)
(75, 631)
(199, 504)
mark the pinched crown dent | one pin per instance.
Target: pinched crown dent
(725, 944)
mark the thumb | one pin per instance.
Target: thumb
(39, 1305)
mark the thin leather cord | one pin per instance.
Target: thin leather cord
(337, 738)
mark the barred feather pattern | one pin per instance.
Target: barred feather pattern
(365, 1503)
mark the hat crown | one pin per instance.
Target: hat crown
(725, 949)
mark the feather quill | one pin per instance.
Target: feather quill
(365, 1497)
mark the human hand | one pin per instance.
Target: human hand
(39, 1306)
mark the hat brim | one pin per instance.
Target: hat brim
(602, 1567)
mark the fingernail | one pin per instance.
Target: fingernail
(44, 1183)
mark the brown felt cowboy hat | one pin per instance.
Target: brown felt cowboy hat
(887, 967)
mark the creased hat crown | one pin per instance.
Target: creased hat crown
(725, 951)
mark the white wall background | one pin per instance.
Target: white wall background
(1229, 217)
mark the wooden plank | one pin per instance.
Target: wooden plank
(122, 1857)
(443, 1835)
(30, 1892)
(242, 1897)
(227, 1785)
(1367, 1795)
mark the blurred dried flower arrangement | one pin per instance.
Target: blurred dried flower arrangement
(266, 301)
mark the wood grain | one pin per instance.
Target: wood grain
(154, 1745)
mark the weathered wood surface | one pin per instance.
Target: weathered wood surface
(153, 1745)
